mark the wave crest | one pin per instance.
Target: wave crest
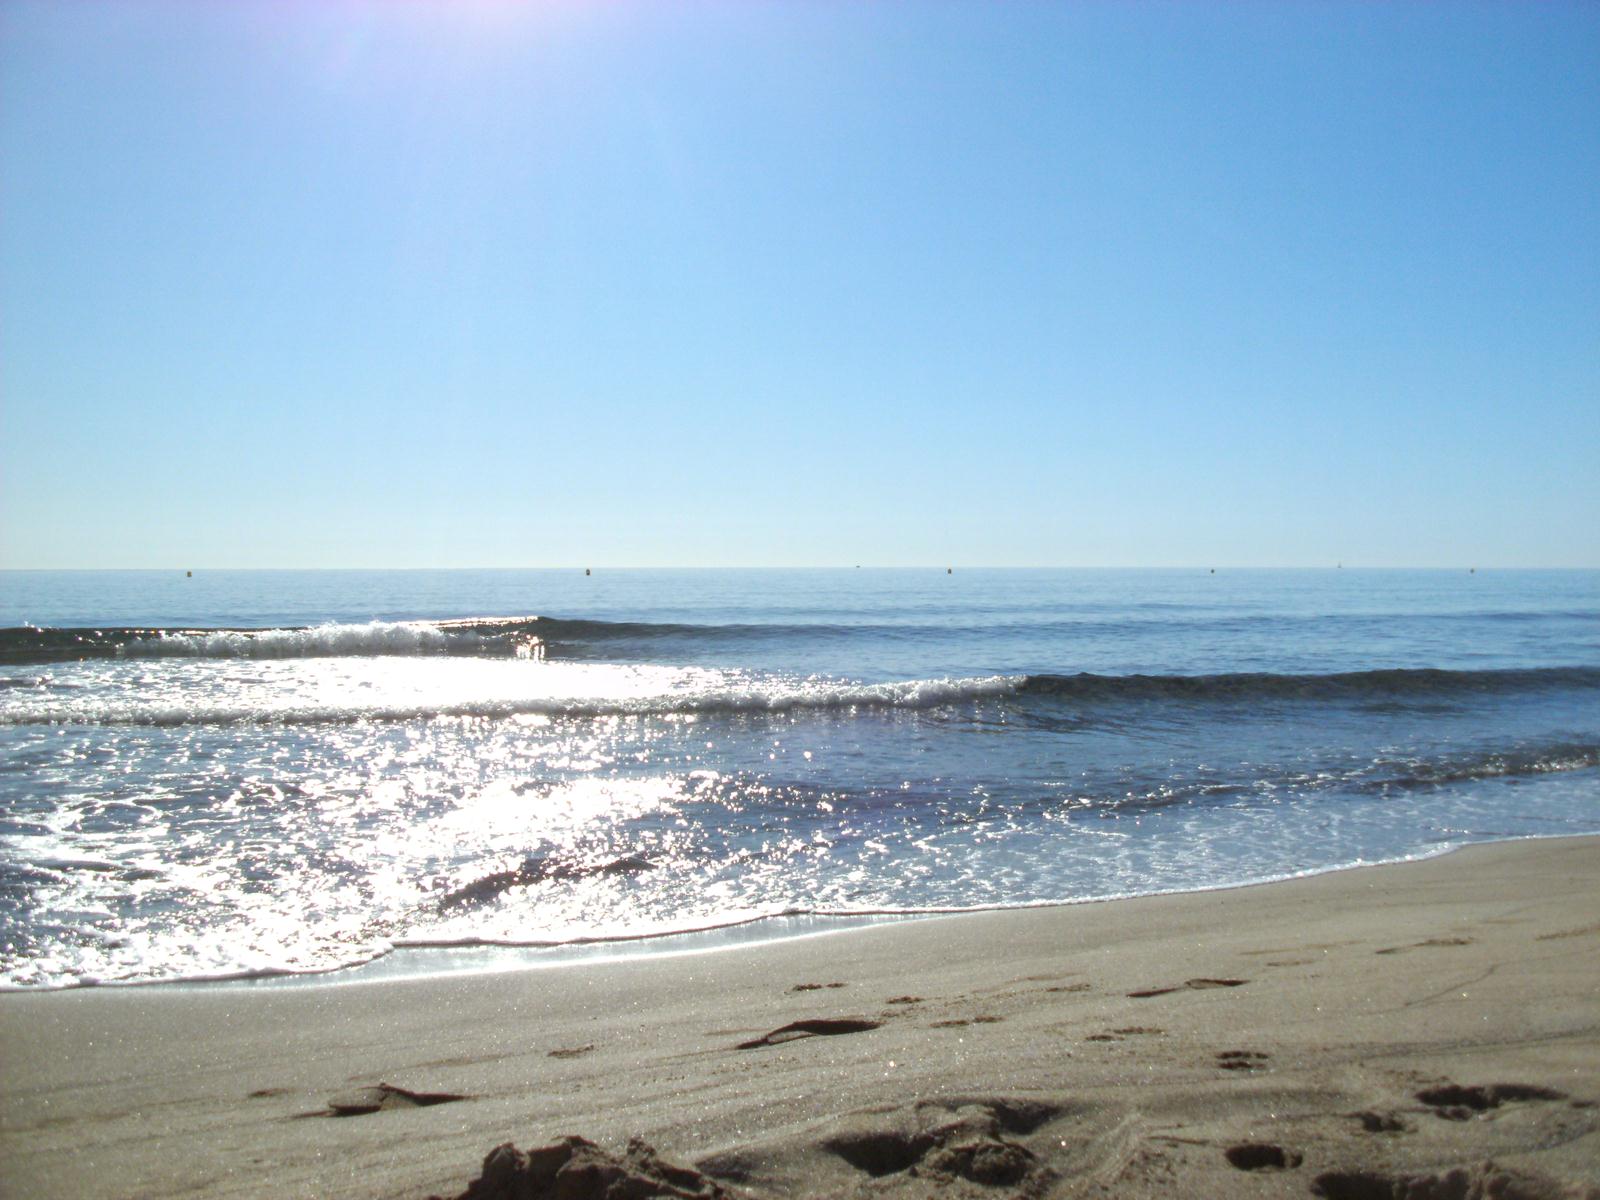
(510, 637)
(1393, 683)
(720, 693)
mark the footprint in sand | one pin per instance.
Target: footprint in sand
(1426, 943)
(1262, 1156)
(574, 1052)
(1454, 1102)
(1241, 1060)
(820, 1027)
(1378, 1122)
(1484, 1179)
(1196, 984)
(383, 1097)
(1116, 1035)
(946, 1141)
(1582, 931)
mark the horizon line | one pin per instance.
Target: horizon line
(947, 567)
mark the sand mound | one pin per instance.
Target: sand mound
(574, 1168)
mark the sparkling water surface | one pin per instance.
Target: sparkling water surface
(243, 773)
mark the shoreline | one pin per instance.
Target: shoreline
(499, 958)
(1155, 1034)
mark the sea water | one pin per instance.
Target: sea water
(245, 774)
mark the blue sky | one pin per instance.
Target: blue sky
(478, 284)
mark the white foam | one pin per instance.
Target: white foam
(319, 641)
(494, 690)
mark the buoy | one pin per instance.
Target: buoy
(949, 570)
(586, 570)
(188, 574)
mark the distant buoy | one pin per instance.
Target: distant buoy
(1213, 570)
(949, 570)
(586, 570)
(188, 574)
(1472, 570)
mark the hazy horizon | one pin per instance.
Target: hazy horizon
(1198, 568)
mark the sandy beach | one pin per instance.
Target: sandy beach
(1425, 1029)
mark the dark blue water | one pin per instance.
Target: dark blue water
(253, 772)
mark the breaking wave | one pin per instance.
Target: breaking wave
(508, 637)
(737, 693)
(772, 697)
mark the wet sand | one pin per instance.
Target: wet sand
(1431, 1027)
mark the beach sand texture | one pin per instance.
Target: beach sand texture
(1426, 1030)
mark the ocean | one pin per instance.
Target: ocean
(260, 775)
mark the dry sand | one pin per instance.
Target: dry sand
(1373, 1033)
